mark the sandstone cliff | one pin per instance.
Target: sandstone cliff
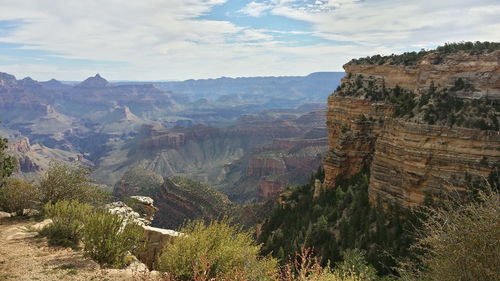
(401, 121)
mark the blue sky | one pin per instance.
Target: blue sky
(182, 39)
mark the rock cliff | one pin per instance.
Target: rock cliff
(401, 121)
(35, 159)
(177, 199)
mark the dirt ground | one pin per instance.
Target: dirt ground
(23, 257)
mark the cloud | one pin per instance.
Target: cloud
(181, 39)
(397, 23)
(255, 9)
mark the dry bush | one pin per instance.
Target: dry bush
(68, 182)
(304, 266)
(17, 195)
(458, 241)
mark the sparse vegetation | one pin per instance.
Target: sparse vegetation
(106, 237)
(433, 106)
(407, 58)
(305, 266)
(473, 48)
(411, 58)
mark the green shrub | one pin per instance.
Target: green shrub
(354, 264)
(7, 162)
(217, 250)
(109, 237)
(17, 195)
(65, 182)
(67, 222)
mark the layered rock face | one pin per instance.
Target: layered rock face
(409, 158)
(351, 137)
(412, 160)
(259, 167)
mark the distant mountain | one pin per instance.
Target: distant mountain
(311, 88)
(7, 80)
(94, 82)
(53, 83)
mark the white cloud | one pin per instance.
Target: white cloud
(395, 23)
(158, 39)
(255, 9)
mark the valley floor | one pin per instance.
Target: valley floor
(23, 257)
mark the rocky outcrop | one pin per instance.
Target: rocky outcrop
(177, 199)
(269, 189)
(155, 241)
(265, 166)
(22, 145)
(124, 211)
(408, 158)
(353, 127)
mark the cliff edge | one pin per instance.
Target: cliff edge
(423, 122)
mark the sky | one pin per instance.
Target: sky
(150, 40)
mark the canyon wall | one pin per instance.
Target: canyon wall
(351, 138)
(412, 160)
(35, 158)
(408, 158)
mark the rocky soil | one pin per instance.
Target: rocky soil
(26, 257)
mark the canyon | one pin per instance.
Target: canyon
(248, 137)
(410, 157)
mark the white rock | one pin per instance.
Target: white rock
(144, 200)
(4, 215)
